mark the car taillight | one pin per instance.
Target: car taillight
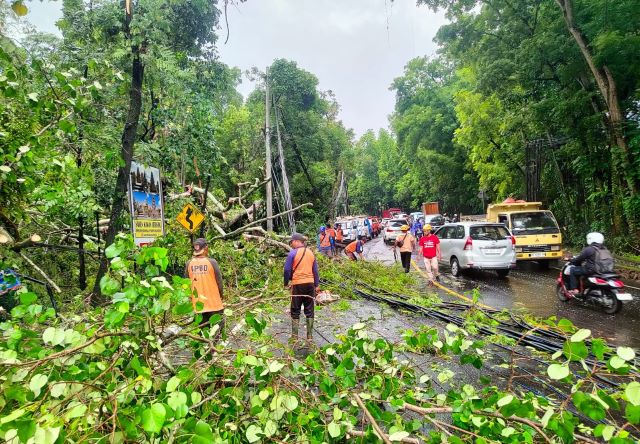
(513, 241)
(468, 244)
(389, 230)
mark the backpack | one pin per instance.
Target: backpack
(604, 261)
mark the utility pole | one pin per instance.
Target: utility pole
(267, 136)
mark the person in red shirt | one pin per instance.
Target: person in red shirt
(430, 248)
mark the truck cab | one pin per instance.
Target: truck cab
(536, 232)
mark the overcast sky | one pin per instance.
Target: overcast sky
(355, 47)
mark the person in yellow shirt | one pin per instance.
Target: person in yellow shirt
(206, 284)
(406, 243)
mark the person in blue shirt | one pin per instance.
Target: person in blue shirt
(417, 229)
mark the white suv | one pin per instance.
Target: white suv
(477, 245)
(392, 230)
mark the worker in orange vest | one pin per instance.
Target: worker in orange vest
(206, 284)
(356, 246)
(325, 241)
(332, 238)
(301, 276)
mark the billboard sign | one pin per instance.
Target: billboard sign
(145, 204)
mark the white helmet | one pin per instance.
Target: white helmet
(595, 237)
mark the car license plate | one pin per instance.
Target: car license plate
(624, 296)
(537, 254)
(493, 250)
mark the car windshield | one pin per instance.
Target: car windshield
(397, 223)
(538, 222)
(488, 232)
(438, 220)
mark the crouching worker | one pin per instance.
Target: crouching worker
(301, 275)
(206, 285)
(355, 247)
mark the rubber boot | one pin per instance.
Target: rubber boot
(309, 329)
(295, 328)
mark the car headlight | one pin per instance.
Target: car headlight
(555, 247)
(518, 249)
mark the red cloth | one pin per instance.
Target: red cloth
(429, 244)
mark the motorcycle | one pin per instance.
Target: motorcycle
(605, 290)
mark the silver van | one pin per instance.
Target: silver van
(477, 245)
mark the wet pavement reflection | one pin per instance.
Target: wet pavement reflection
(532, 289)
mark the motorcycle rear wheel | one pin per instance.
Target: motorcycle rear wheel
(615, 305)
(561, 294)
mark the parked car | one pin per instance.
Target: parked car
(349, 233)
(477, 245)
(435, 220)
(392, 230)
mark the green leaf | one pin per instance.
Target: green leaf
(359, 326)
(177, 399)
(153, 418)
(290, 402)
(270, 428)
(37, 382)
(505, 400)
(598, 348)
(19, 8)
(203, 433)
(632, 392)
(173, 383)
(250, 360)
(196, 397)
(632, 413)
(275, 366)
(398, 436)
(558, 371)
(47, 435)
(334, 429)
(607, 432)
(28, 298)
(626, 353)
(76, 411)
(252, 433)
(581, 335)
(616, 362)
(33, 97)
(112, 251)
(17, 413)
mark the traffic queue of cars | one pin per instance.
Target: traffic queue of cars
(354, 226)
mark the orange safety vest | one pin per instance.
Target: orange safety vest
(351, 247)
(204, 285)
(325, 239)
(339, 235)
(303, 267)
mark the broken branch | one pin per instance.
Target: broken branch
(259, 221)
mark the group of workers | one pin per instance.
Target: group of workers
(331, 242)
(301, 274)
(301, 277)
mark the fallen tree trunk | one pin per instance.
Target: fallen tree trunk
(259, 221)
(245, 212)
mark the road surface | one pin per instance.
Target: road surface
(528, 288)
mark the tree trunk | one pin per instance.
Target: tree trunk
(126, 152)
(608, 88)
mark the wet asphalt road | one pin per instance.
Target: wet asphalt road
(531, 289)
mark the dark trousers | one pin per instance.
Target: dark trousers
(573, 276)
(405, 258)
(306, 299)
(206, 316)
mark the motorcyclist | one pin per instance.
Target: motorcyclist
(585, 263)
(417, 228)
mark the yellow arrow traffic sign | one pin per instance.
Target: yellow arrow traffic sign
(190, 217)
